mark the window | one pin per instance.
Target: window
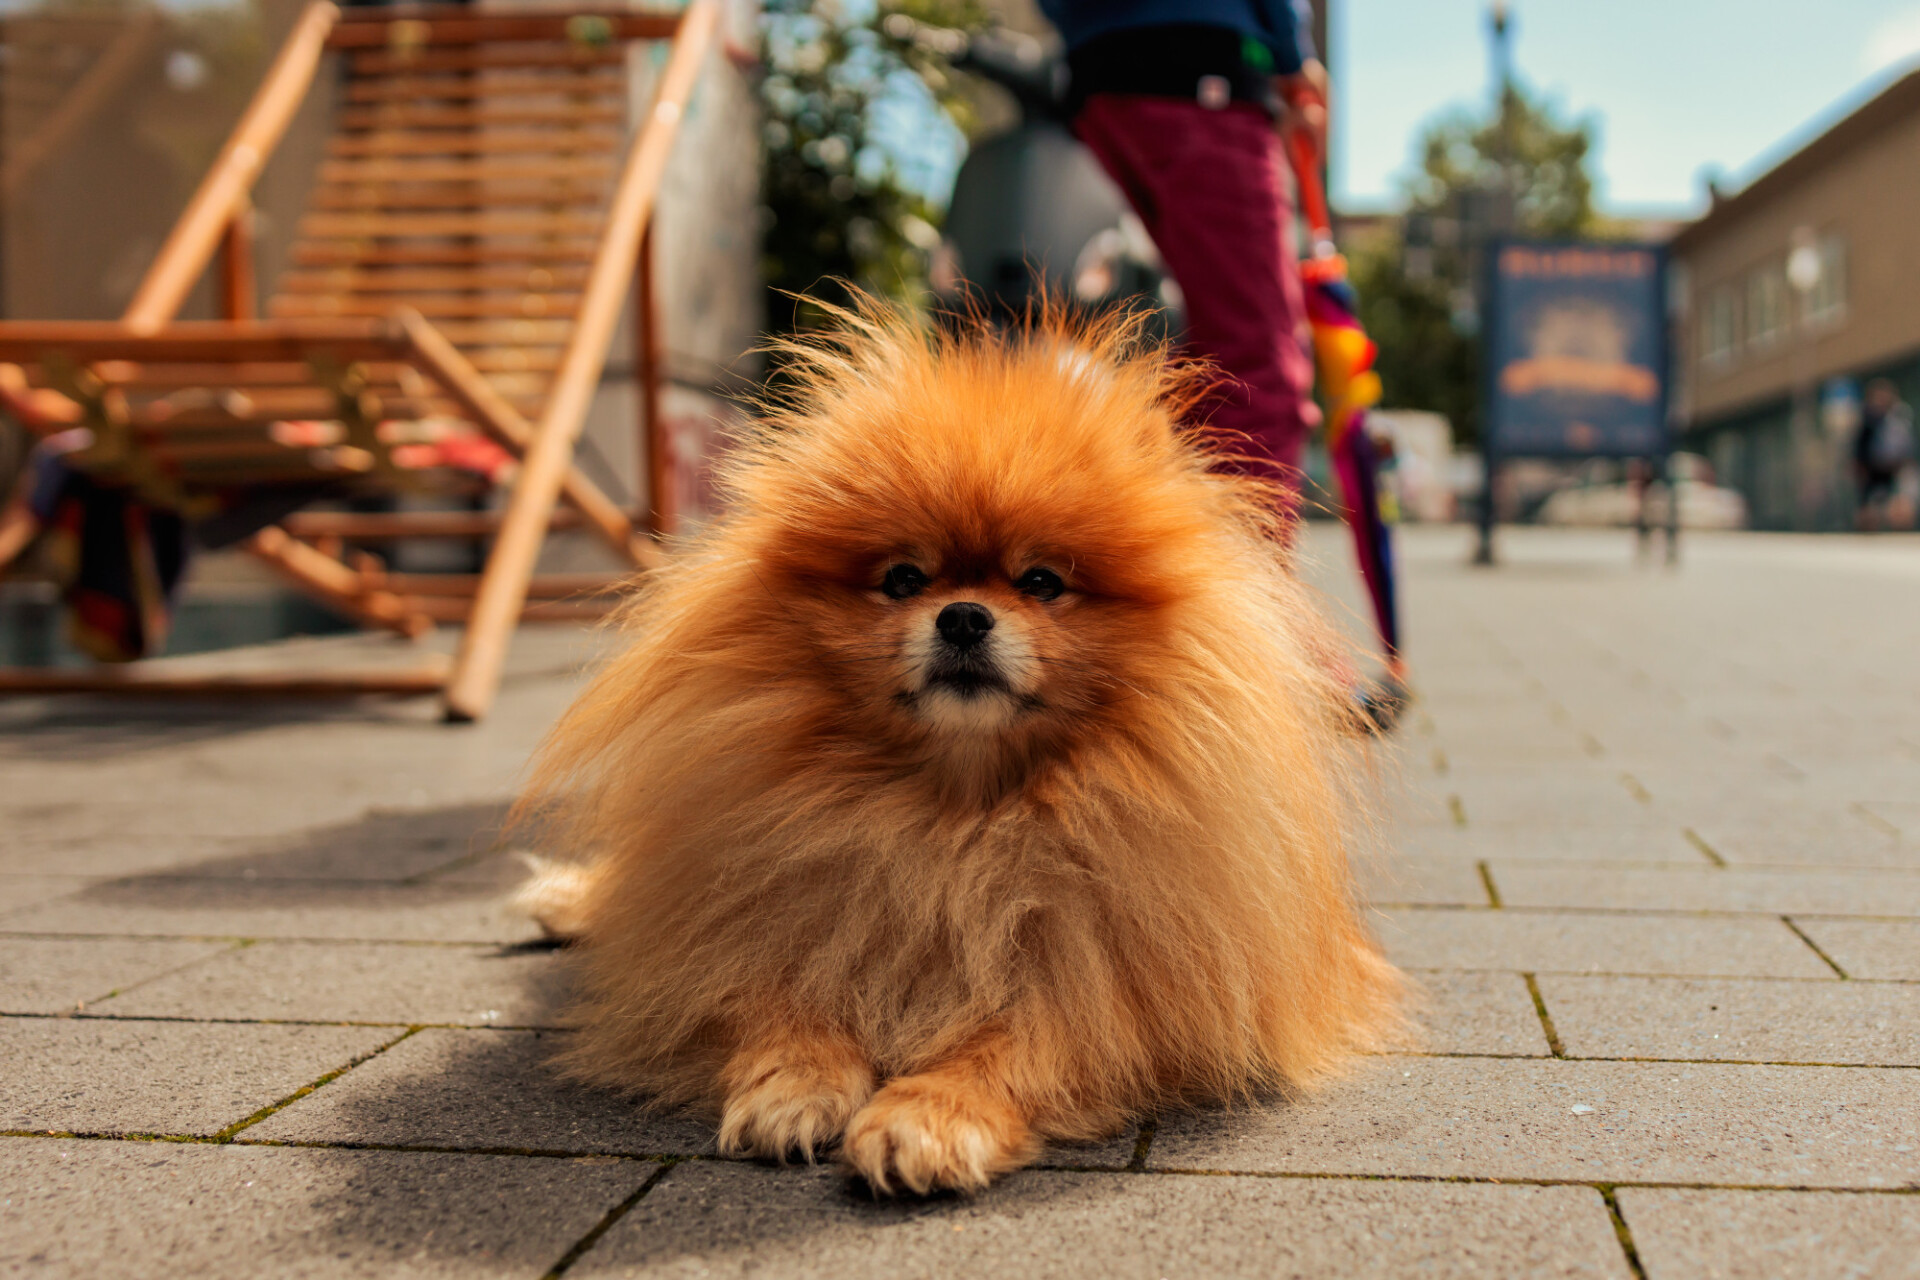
(1828, 300)
(1766, 303)
(1719, 330)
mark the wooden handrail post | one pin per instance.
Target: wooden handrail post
(239, 296)
(184, 257)
(654, 451)
(496, 607)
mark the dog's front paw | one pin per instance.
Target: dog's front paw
(924, 1134)
(793, 1108)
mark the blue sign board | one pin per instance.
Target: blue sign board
(1576, 351)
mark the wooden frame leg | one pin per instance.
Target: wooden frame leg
(504, 582)
(239, 294)
(346, 589)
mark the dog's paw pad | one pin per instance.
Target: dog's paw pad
(920, 1138)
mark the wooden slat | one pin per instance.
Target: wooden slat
(537, 306)
(428, 279)
(391, 526)
(454, 609)
(174, 454)
(489, 115)
(266, 375)
(517, 332)
(545, 142)
(210, 377)
(486, 222)
(520, 385)
(452, 25)
(488, 87)
(547, 586)
(224, 473)
(482, 57)
(311, 253)
(515, 359)
(201, 341)
(318, 406)
(462, 195)
(483, 169)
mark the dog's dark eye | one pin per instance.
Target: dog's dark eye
(903, 580)
(1041, 584)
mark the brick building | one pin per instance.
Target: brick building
(1769, 362)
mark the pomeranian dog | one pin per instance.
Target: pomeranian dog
(981, 778)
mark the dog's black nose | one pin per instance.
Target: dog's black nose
(964, 624)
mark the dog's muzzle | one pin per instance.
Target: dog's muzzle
(963, 661)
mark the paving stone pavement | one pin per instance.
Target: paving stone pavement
(1655, 865)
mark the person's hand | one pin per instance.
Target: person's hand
(1307, 94)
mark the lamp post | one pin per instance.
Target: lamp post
(1806, 457)
(1487, 218)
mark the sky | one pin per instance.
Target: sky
(1676, 87)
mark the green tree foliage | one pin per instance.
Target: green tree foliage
(836, 210)
(1416, 284)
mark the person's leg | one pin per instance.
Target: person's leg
(1208, 186)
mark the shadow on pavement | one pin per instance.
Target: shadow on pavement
(84, 727)
(336, 865)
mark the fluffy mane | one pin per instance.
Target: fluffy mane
(1147, 887)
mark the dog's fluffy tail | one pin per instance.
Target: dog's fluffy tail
(555, 895)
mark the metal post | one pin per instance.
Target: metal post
(1486, 237)
(1483, 553)
(1673, 510)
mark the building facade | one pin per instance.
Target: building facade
(1790, 296)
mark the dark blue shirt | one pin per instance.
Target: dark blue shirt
(1282, 25)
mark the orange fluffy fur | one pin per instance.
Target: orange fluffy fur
(824, 900)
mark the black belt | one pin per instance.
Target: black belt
(1198, 63)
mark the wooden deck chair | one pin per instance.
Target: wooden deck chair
(481, 213)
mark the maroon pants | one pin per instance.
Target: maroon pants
(1208, 185)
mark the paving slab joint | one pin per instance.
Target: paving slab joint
(1801, 934)
(1546, 1019)
(607, 1221)
(1699, 842)
(1622, 1232)
(1486, 880)
(1873, 820)
(80, 1008)
(226, 1134)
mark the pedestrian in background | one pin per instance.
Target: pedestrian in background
(1882, 451)
(1179, 100)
